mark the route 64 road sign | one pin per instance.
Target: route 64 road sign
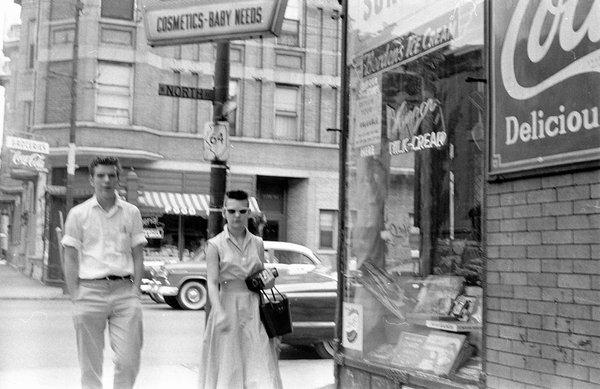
(216, 141)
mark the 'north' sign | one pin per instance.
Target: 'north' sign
(186, 92)
(179, 22)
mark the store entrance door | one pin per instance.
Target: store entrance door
(272, 193)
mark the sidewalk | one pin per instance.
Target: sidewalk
(15, 285)
(294, 375)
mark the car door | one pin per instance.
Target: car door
(312, 293)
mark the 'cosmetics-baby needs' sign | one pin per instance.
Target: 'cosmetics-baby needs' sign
(545, 84)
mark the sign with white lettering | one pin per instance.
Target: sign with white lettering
(186, 92)
(418, 42)
(28, 154)
(216, 141)
(29, 145)
(154, 233)
(545, 84)
(177, 22)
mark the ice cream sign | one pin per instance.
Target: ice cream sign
(407, 47)
(403, 126)
(545, 84)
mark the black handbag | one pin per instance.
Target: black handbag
(275, 313)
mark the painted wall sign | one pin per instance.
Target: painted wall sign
(545, 84)
(422, 40)
(176, 22)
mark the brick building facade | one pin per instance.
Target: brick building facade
(543, 282)
(286, 90)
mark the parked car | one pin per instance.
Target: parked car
(310, 286)
(151, 265)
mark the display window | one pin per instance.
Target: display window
(413, 285)
(174, 238)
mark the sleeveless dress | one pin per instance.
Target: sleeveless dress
(241, 356)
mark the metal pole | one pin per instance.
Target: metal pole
(73, 115)
(218, 168)
(342, 201)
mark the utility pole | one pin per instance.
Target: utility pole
(73, 115)
(342, 202)
(218, 173)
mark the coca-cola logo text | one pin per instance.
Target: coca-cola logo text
(34, 161)
(562, 16)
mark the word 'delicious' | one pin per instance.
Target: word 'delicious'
(540, 126)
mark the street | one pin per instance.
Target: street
(38, 349)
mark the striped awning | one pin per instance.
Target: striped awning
(182, 203)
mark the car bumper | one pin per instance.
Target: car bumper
(146, 285)
(168, 290)
(305, 333)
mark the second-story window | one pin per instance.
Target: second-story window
(290, 30)
(117, 9)
(286, 112)
(113, 101)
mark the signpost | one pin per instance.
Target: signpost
(179, 22)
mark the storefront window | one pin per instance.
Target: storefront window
(173, 238)
(413, 294)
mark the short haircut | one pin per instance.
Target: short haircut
(106, 161)
(237, 195)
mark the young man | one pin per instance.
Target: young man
(103, 241)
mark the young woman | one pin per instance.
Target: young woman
(236, 353)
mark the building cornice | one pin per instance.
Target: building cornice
(45, 127)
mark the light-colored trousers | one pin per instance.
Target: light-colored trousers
(114, 302)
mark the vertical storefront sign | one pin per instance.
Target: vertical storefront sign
(545, 84)
(353, 326)
(367, 123)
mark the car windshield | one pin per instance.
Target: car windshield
(287, 257)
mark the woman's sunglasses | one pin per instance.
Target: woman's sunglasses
(241, 211)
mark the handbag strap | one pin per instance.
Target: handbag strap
(273, 290)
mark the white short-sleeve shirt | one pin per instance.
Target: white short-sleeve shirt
(104, 239)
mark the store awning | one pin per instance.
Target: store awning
(182, 203)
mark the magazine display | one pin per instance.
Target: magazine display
(436, 352)
(431, 325)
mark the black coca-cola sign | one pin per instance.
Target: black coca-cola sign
(545, 83)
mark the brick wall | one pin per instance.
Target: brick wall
(543, 282)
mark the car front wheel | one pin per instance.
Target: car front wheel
(325, 349)
(192, 295)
